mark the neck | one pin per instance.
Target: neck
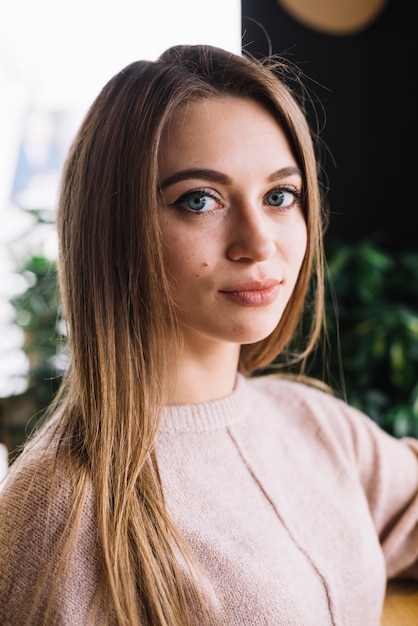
(204, 377)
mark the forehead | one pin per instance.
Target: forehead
(216, 110)
(218, 127)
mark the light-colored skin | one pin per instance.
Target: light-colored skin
(233, 264)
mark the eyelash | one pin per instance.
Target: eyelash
(202, 192)
(297, 195)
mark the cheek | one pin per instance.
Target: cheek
(200, 272)
(295, 243)
(185, 258)
(301, 244)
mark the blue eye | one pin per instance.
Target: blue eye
(282, 198)
(198, 201)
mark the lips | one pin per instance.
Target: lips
(253, 285)
(253, 293)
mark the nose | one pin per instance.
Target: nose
(251, 236)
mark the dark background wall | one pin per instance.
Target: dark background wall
(366, 84)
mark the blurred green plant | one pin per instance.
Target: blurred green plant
(372, 320)
(37, 313)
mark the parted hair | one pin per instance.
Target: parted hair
(121, 321)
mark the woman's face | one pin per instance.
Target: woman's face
(231, 219)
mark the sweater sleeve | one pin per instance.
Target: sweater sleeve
(388, 471)
(34, 511)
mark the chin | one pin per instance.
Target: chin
(254, 335)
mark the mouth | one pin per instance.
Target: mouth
(253, 293)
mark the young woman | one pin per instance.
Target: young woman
(172, 486)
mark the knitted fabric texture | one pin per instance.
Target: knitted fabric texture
(297, 506)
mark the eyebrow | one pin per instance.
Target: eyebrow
(212, 175)
(218, 177)
(284, 172)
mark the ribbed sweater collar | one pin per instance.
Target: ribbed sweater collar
(207, 416)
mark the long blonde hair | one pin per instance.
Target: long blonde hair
(121, 320)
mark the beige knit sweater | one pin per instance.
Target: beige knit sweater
(298, 507)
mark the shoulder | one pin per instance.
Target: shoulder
(35, 499)
(289, 395)
(42, 484)
(311, 412)
(38, 471)
(43, 503)
(314, 417)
